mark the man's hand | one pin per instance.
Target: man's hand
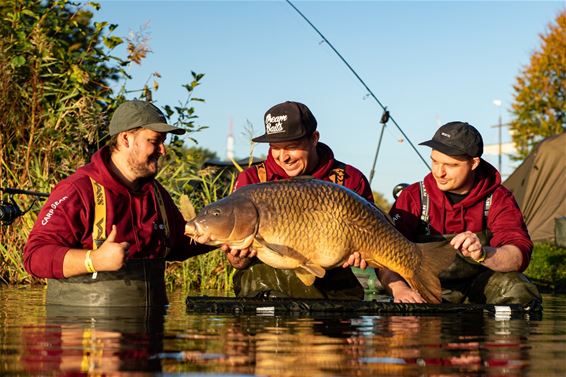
(110, 256)
(239, 259)
(402, 293)
(355, 260)
(469, 245)
(398, 287)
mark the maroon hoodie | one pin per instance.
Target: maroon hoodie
(66, 220)
(353, 179)
(504, 220)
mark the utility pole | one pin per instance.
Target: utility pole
(497, 103)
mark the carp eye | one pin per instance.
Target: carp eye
(216, 212)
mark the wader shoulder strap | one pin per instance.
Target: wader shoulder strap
(99, 224)
(337, 174)
(486, 207)
(424, 208)
(163, 212)
(261, 172)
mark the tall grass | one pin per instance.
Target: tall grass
(180, 176)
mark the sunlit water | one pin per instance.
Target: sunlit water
(40, 341)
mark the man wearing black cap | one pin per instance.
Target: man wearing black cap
(104, 234)
(462, 200)
(295, 150)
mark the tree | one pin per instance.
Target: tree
(57, 69)
(381, 201)
(539, 107)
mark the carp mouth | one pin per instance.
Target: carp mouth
(199, 234)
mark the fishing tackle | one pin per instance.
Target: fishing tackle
(386, 116)
(9, 210)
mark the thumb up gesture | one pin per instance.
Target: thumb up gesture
(110, 255)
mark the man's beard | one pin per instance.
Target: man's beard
(142, 171)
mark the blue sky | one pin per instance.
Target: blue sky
(428, 62)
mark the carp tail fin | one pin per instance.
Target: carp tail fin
(437, 256)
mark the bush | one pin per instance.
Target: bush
(548, 267)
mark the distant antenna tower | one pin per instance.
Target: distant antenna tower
(230, 141)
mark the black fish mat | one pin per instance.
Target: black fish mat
(241, 305)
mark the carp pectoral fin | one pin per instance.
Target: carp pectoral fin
(314, 269)
(259, 242)
(309, 272)
(306, 277)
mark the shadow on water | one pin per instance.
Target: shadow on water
(64, 341)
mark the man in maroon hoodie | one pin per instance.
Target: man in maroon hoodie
(104, 234)
(462, 200)
(295, 150)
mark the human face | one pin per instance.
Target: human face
(144, 147)
(296, 157)
(453, 173)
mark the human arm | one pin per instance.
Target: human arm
(405, 214)
(391, 281)
(109, 257)
(239, 259)
(506, 258)
(397, 287)
(62, 235)
(509, 247)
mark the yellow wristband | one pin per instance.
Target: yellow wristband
(88, 262)
(483, 256)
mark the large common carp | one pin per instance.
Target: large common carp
(310, 225)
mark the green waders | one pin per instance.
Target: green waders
(141, 282)
(261, 280)
(466, 281)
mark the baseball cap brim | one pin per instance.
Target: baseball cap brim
(273, 138)
(164, 127)
(443, 148)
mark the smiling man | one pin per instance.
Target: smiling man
(462, 200)
(295, 150)
(105, 232)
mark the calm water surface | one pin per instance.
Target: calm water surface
(36, 340)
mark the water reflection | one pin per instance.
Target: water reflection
(40, 340)
(93, 340)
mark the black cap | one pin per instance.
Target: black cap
(457, 139)
(287, 121)
(134, 114)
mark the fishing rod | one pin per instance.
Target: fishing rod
(9, 210)
(386, 116)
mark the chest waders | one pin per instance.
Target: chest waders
(262, 280)
(467, 281)
(140, 282)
